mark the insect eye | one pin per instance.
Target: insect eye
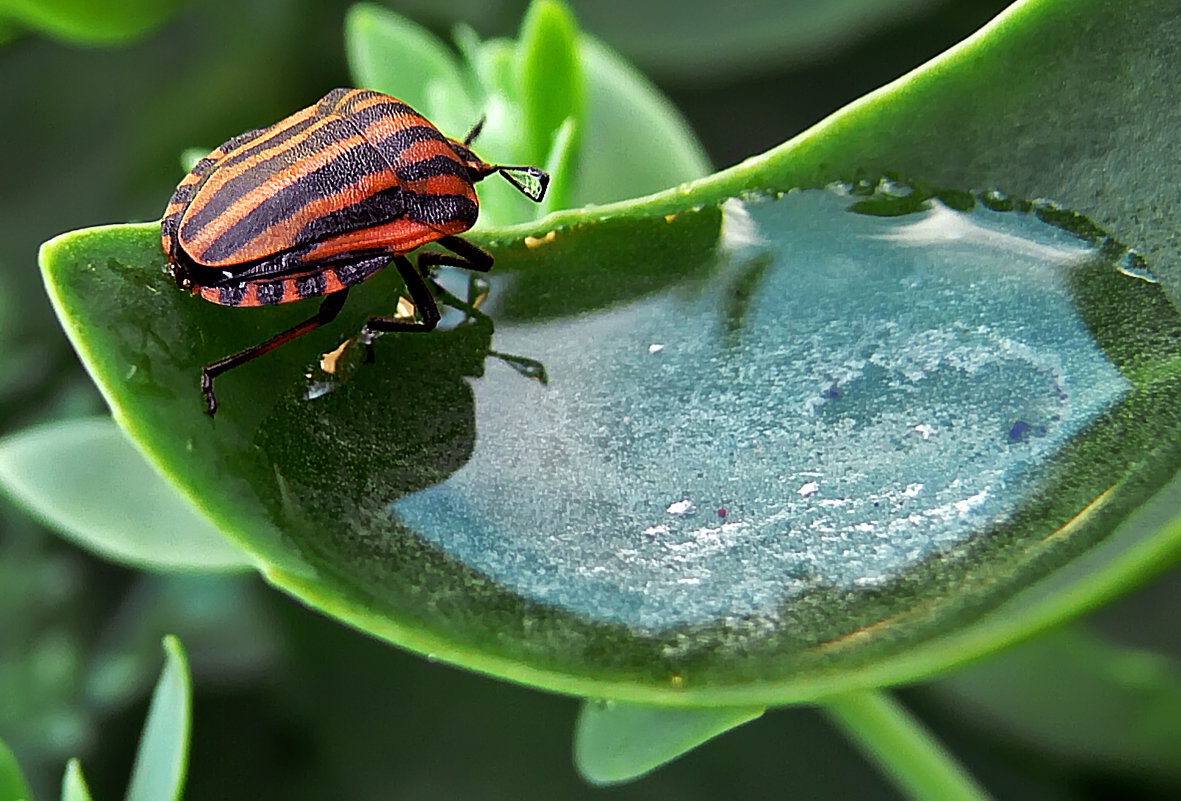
(530, 180)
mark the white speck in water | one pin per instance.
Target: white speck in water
(971, 502)
(681, 508)
(656, 531)
(925, 430)
(809, 489)
(912, 490)
(655, 348)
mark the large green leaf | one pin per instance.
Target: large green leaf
(730, 371)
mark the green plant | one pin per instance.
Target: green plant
(322, 492)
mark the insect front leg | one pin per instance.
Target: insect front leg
(424, 305)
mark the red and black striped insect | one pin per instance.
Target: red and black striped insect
(321, 201)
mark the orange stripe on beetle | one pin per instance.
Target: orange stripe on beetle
(321, 201)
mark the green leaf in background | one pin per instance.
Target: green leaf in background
(13, 786)
(84, 479)
(656, 524)
(74, 786)
(162, 759)
(555, 98)
(708, 41)
(617, 742)
(1079, 698)
(550, 83)
(888, 734)
(390, 53)
(91, 22)
(620, 102)
(223, 620)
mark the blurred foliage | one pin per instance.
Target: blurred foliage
(51, 471)
(291, 705)
(93, 22)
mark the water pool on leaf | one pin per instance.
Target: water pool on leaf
(845, 398)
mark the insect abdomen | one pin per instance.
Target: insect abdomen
(323, 281)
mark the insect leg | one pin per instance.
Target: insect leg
(327, 313)
(463, 254)
(424, 303)
(530, 368)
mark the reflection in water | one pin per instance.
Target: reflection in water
(846, 397)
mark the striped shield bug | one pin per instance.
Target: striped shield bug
(321, 201)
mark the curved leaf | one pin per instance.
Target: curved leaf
(617, 742)
(85, 480)
(594, 535)
(1078, 697)
(13, 786)
(162, 759)
(74, 786)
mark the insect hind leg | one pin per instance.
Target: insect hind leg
(331, 307)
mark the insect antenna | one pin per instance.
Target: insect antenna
(475, 131)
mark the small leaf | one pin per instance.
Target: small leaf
(550, 85)
(561, 161)
(620, 102)
(191, 155)
(84, 479)
(162, 758)
(392, 54)
(617, 742)
(74, 786)
(13, 786)
(1076, 696)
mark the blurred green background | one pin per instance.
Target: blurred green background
(289, 704)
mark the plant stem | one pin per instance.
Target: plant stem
(902, 747)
